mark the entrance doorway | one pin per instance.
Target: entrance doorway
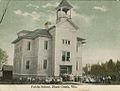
(65, 72)
(65, 69)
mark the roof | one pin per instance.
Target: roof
(25, 31)
(80, 39)
(74, 25)
(7, 68)
(34, 34)
(65, 4)
(83, 42)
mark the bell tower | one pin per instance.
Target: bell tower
(63, 11)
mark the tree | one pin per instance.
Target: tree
(3, 57)
(118, 70)
(104, 69)
(111, 67)
(86, 69)
(96, 70)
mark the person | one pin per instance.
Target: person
(76, 78)
(71, 77)
(109, 79)
(61, 79)
(20, 79)
(65, 75)
(103, 79)
(28, 79)
(33, 79)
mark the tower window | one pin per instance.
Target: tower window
(68, 42)
(63, 41)
(45, 45)
(28, 45)
(45, 64)
(68, 56)
(27, 64)
(65, 56)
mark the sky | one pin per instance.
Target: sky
(98, 21)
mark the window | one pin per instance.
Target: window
(65, 69)
(67, 42)
(45, 45)
(27, 64)
(63, 41)
(77, 47)
(65, 56)
(28, 45)
(45, 64)
(77, 65)
(68, 56)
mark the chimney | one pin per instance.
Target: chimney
(47, 24)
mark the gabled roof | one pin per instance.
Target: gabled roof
(25, 31)
(74, 25)
(65, 4)
(34, 34)
(39, 32)
(18, 39)
(80, 39)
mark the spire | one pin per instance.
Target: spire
(65, 5)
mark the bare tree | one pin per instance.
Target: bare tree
(4, 11)
(3, 57)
